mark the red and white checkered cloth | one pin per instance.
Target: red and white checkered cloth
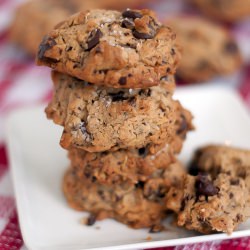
(24, 84)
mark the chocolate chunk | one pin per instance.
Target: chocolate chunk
(91, 220)
(131, 14)
(94, 38)
(139, 35)
(116, 97)
(230, 47)
(123, 80)
(126, 23)
(231, 195)
(204, 186)
(45, 45)
(143, 152)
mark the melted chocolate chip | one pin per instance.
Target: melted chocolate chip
(45, 45)
(131, 14)
(230, 47)
(123, 80)
(128, 24)
(94, 38)
(91, 220)
(119, 96)
(139, 35)
(204, 186)
(143, 152)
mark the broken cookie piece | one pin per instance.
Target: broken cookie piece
(210, 205)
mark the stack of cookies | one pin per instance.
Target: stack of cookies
(113, 94)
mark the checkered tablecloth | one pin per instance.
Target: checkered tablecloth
(24, 84)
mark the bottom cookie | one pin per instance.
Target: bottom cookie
(139, 206)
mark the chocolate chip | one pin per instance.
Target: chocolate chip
(46, 44)
(94, 38)
(131, 14)
(119, 96)
(139, 35)
(231, 195)
(204, 186)
(235, 182)
(140, 184)
(91, 220)
(123, 80)
(168, 70)
(230, 47)
(172, 52)
(143, 152)
(193, 168)
(128, 24)
(239, 217)
(183, 125)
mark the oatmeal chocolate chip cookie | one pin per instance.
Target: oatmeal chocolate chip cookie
(119, 50)
(138, 205)
(207, 205)
(216, 159)
(208, 49)
(224, 10)
(34, 19)
(98, 119)
(133, 166)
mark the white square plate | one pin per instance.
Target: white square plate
(38, 164)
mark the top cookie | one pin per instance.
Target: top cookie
(120, 50)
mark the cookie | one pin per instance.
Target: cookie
(216, 159)
(98, 119)
(119, 50)
(224, 10)
(208, 49)
(139, 206)
(34, 19)
(210, 205)
(132, 166)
